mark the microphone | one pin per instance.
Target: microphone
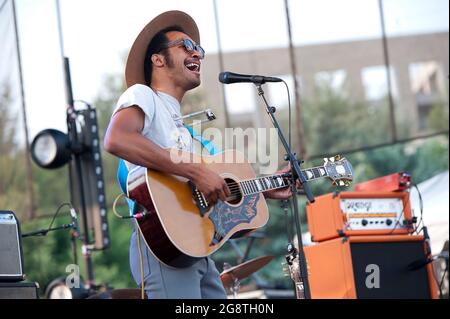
(418, 264)
(229, 78)
(73, 214)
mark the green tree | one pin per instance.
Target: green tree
(12, 158)
(438, 118)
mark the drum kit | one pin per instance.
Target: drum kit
(232, 276)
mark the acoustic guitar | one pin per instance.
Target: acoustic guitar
(179, 225)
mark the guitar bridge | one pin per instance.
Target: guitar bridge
(199, 199)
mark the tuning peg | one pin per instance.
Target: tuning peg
(341, 183)
(332, 159)
(325, 160)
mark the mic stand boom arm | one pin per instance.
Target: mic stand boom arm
(43, 232)
(296, 175)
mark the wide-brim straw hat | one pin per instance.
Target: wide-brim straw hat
(134, 70)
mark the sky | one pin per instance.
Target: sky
(98, 33)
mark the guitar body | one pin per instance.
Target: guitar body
(175, 229)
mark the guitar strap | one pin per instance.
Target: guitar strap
(205, 143)
(122, 174)
(122, 169)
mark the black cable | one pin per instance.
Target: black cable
(44, 232)
(56, 214)
(403, 212)
(289, 107)
(400, 217)
(421, 209)
(442, 281)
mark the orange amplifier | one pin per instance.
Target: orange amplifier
(359, 213)
(390, 183)
(370, 267)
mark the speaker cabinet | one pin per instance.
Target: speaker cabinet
(370, 267)
(19, 290)
(11, 261)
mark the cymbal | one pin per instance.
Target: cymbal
(243, 270)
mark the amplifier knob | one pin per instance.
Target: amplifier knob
(364, 222)
(388, 222)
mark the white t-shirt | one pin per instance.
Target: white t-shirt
(163, 124)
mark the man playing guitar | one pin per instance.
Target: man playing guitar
(163, 64)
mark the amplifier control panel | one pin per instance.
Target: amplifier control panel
(373, 213)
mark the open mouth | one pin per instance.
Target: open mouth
(193, 66)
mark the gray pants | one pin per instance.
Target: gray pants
(200, 281)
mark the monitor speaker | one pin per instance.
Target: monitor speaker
(11, 261)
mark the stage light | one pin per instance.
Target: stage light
(60, 289)
(51, 149)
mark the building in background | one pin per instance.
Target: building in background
(418, 64)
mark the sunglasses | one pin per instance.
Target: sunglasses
(188, 44)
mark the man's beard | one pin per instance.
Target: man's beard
(171, 65)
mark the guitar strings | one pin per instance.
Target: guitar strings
(237, 189)
(237, 194)
(241, 185)
(236, 186)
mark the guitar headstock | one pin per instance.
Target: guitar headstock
(339, 170)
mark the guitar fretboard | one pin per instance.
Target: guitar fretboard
(266, 183)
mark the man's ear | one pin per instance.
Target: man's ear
(158, 60)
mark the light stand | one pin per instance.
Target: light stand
(303, 291)
(73, 240)
(75, 170)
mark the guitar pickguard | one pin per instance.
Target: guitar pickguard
(226, 217)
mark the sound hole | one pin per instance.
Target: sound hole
(236, 194)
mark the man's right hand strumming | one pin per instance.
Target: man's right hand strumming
(211, 184)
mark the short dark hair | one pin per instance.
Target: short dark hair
(156, 45)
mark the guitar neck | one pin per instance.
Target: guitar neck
(267, 183)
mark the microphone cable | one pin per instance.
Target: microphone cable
(289, 116)
(421, 210)
(441, 282)
(56, 214)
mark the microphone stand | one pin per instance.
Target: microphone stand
(303, 291)
(43, 232)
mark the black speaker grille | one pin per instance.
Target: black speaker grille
(392, 259)
(10, 254)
